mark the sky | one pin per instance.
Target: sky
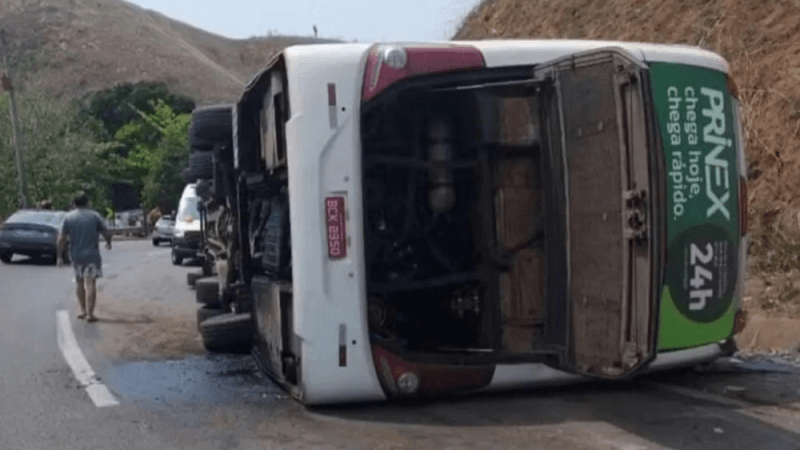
(350, 20)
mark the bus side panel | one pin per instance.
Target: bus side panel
(694, 108)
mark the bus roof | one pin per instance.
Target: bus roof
(496, 53)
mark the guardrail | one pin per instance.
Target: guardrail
(130, 224)
(129, 231)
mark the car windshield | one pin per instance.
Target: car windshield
(188, 208)
(53, 218)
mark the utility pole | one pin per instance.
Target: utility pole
(7, 85)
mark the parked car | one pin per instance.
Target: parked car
(32, 233)
(164, 230)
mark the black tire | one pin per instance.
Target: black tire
(52, 259)
(223, 152)
(176, 258)
(6, 257)
(207, 291)
(188, 176)
(211, 125)
(228, 333)
(201, 165)
(156, 242)
(204, 189)
(204, 313)
(192, 277)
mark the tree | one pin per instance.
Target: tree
(61, 155)
(67, 149)
(116, 107)
(158, 164)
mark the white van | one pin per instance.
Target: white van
(187, 237)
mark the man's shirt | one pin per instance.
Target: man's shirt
(83, 227)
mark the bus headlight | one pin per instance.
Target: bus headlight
(395, 57)
(408, 383)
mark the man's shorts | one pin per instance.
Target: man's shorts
(89, 271)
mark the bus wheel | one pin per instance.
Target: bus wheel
(227, 333)
(204, 313)
(176, 258)
(192, 277)
(207, 291)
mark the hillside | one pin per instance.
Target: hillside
(71, 47)
(760, 39)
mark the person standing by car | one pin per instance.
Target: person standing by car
(83, 226)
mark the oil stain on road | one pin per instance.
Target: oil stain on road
(217, 379)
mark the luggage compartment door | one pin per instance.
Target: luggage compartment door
(599, 103)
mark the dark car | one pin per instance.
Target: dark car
(32, 233)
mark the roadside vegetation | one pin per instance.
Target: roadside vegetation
(131, 134)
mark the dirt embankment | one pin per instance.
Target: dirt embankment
(761, 41)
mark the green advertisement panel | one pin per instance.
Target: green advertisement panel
(695, 115)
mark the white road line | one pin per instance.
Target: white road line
(83, 372)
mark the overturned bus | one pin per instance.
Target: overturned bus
(398, 220)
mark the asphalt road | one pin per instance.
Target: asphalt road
(171, 394)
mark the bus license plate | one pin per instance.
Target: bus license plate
(337, 239)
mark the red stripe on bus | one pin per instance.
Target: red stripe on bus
(331, 94)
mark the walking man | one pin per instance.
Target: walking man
(83, 226)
